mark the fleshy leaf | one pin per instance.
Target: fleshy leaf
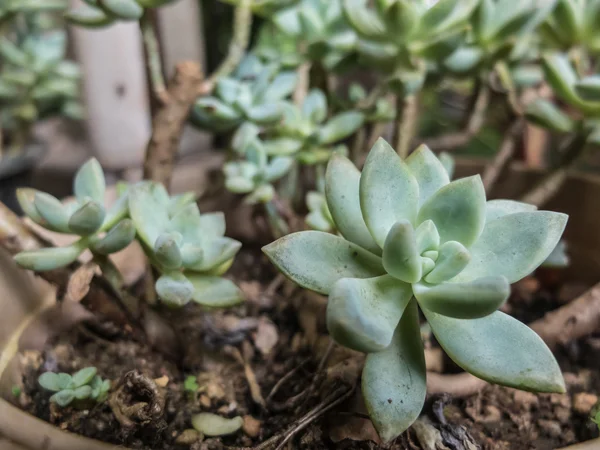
(315, 106)
(427, 237)
(26, 198)
(49, 258)
(174, 289)
(214, 292)
(400, 256)
(50, 381)
(452, 258)
(388, 191)
(81, 377)
(429, 172)
(87, 219)
(123, 9)
(342, 181)
(63, 398)
(495, 209)
(148, 212)
(394, 380)
(457, 210)
(498, 349)
(514, 245)
(469, 300)
(88, 16)
(216, 252)
(363, 314)
(83, 392)
(546, 114)
(316, 260)
(117, 238)
(166, 250)
(340, 126)
(52, 211)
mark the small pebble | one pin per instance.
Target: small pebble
(584, 402)
(251, 426)
(162, 381)
(527, 399)
(188, 437)
(550, 427)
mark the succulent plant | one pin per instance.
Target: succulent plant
(573, 24)
(254, 94)
(306, 132)
(100, 230)
(413, 239)
(100, 13)
(10, 8)
(254, 174)
(402, 36)
(318, 217)
(382, 110)
(79, 389)
(36, 82)
(321, 31)
(188, 249)
(582, 94)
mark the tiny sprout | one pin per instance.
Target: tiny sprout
(191, 384)
(411, 239)
(15, 391)
(77, 389)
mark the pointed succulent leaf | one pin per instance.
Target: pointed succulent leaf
(262, 194)
(315, 106)
(26, 198)
(82, 377)
(402, 17)
(52, 211)
(191, 255)
(216, 252)
(435, 16)
(427, 237)
(316, 260)
(243, 136)
(52, 381)
(239, 184)
(364, 20)
(340, 126)
(212, 225)
(452, 258)
(117, 212)
(342, 181)
(83, 392)
(63, 398)
(281, 87)
(448, 162)
(463, 60)
(265, 113)
(429, 172)
(278, 167)
(589, 88)
(495, 209)
(216, 109)
(166, 250)
(569, 16)
(470, 300)
(123, 9)
(49, 258)
(282, 146)
(187, 222)
(546, 114)
(227, 89)
(88, 16)
(214, 292)
(174, 289)
(400, 256)
(457, 210)
(363, 314)
(514, 245)
(116, 239)
(388, 191)
(148, 211)
(498, 349)
(87, 219)
(393, 380)
(561, 76)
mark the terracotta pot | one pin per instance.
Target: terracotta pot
(29, 317)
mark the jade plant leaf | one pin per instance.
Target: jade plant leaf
(388, 191)
(332, 258)
(49, 258)
(362, 314)
(393, 380)
(89, 182)
(87, 219)
(214, 292)
(52, 211)
(520, 359)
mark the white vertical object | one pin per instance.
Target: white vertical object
(115, 92)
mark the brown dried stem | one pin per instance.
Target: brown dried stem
(504, 155)
(406, 122)
(452, 141)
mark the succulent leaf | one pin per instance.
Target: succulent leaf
(495, 209)
(452, 258)
(87, 219)
(52, 211)
(82, 377)
(123, 9)
(544, 113)
(88, 16)
(429, 172)
(214, 292)
(314, 107)
(400, 256)
(340, 126)
(49, 258)
(332, 258)
(362, 314)
(520, 359)
(174, 289)
(393, 380)
(116, 239)
(166, 250)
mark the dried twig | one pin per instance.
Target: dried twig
(406, 122)
(572, 321)
(452, 141)
(504, 155)
(284, 379)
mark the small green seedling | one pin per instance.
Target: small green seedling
(100, 230)
(190, 385)
(79, 389)
(16, 391)
(412, 239)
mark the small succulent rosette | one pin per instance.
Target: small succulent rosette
(81, 389)
(188, 249)
(412, 239)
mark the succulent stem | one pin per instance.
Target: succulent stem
(153, 57)
(406, 122)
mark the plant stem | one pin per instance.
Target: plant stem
(358, 144)
(406, 122)
(504, 155)
(242, 24)
(302, 85)
(277, 224)
(452, 141)
(153, 58)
